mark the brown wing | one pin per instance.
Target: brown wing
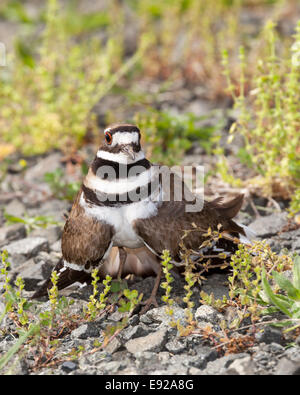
(85, 239)
(167, 228)
(84, 243)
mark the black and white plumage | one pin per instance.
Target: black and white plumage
(122, 204)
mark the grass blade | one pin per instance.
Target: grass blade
(272, 297)
(11, 352)
(296, 272)
(287, 286)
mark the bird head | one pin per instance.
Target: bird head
(122, 139)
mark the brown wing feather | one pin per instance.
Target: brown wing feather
(167, 228)
(84, 238)
(227, 209)
(84, 243)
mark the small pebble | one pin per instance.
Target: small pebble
(69, 366)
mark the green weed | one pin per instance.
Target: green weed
(287, 298)
(47, 102)
(245, 281)
(166, 285)
(97, 305)
(269, 119)
(168, 136)
(31, 223)
(61, 188)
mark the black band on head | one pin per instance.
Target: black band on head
(119, 169)
(123, 128)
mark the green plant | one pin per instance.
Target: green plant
(196, 20)
(168, 136)
(96, 305)
(288, 300)
(16, 347)
(60, 188)
(4, 271)
(41, 330)
(268, 119)
(247, 265)
(295, 204)
(6, 284)
(166, 285)
(190, 280)
(245, 281)
(126, 306)
(53, 292)
(61, 86)
(14, 11)
(21, 302)
(133, 299)
(78, 23)
(31, 223)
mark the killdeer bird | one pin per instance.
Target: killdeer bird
(121, 205)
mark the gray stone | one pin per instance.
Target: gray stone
(293, 353)
(145, 359)
(77, 307)
(220, 365)
(85, 331)
(31, 273)
(54, 208)
(296, 245)
(216, 284)
(160, 316)
(45, 165)
(203, 355)
(117, 316)
(242, 366)
(153, 342)
(134, 320)
(47, 262)
(114, 345)
(269, 225)
(27, 247)
(176, 346)
(15, 208)
(111, 367)
(287, 367)
(132, 332)
(171, 370)
(93, 359)
(56, 247)
(194, 371)
(164, 357)
(51, 233)
(11, 233)
(68, 366)
(269, 335)
(208, 314)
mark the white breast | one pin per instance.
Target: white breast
(122, 218)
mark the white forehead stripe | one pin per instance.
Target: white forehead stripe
(125, 138)
(120, 157)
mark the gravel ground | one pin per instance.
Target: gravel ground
(149, 344)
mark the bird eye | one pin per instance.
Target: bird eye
(108, 138)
